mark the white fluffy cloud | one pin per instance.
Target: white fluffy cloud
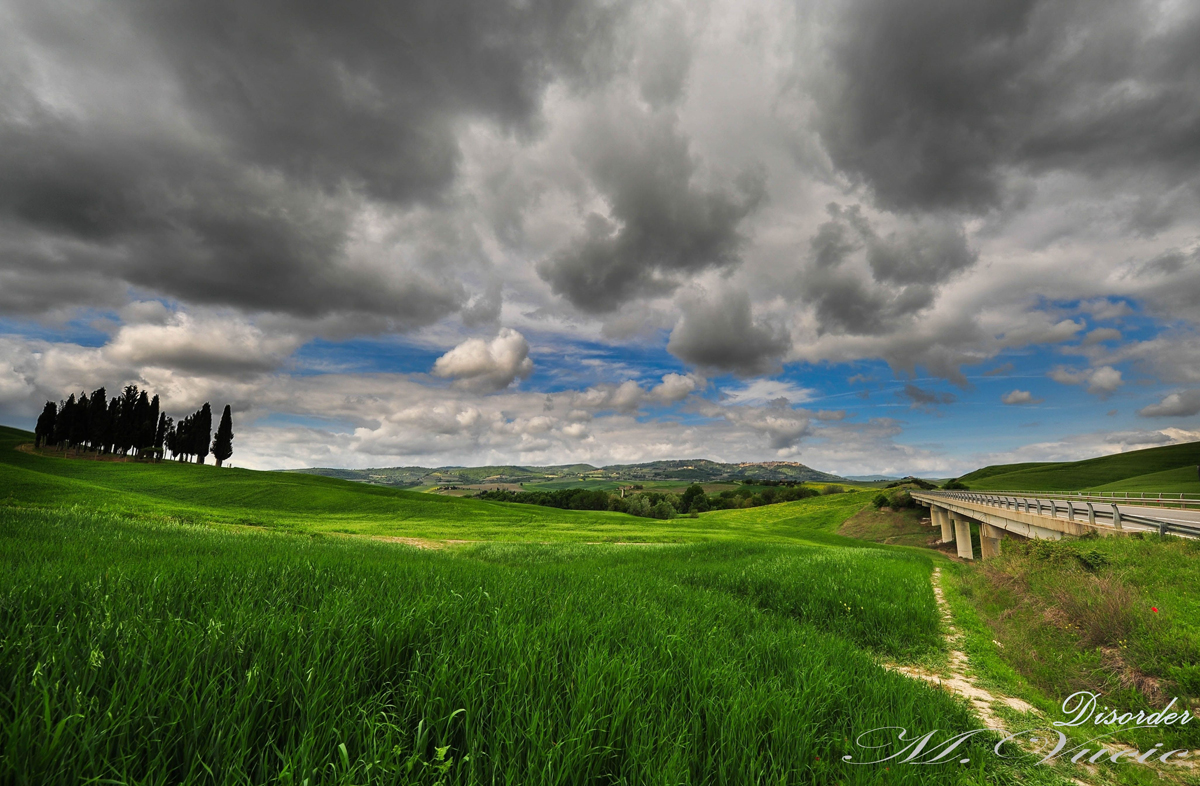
(487, 366)
(675, 387)
(211, 343)
(1101, 381)
(1180, 404)
(1017, 397)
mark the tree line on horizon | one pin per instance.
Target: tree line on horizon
(133, 425)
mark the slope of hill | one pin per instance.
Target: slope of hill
(698, 470)
(310, 503)
(1171, 468)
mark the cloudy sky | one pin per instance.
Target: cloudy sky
(874, 236)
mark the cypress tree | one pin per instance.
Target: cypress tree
(160, 434)
(183, 438)
(98, 419)
(44, 431)
(222, 447)
(203, 434)
(79, 424)
(171, 439)
(64, 420)
(141, 412)
(114, 417)
(127, 425)
(149, 429)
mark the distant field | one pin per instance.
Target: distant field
(1171, 468)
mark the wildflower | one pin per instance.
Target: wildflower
(1154, 609)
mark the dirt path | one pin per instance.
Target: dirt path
(956, 679)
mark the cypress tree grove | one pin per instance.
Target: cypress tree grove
(222, 447)
(133, 424)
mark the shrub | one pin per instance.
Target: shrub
(833, 489)
(662, 510)
(639, 506)
(955, 485)
(1092, 560)
(880, 501)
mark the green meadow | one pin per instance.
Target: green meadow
(170, 623)
(310, 503)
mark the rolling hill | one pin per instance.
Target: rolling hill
(298, 502)
(685, 470)
(1171, 468)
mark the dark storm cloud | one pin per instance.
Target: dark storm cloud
(368, 91)
(721, 334)
(664, 225)
(906, 268)
(931, 102)
(280, 119)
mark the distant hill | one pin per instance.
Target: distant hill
(699, 470)
(1171, 468)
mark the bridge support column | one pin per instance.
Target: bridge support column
(989, 541)
(962, 536)
(941, 517)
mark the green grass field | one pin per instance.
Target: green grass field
(170, 623)
(137, 652)
(1171, 468)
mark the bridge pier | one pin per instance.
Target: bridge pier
(989, 541)
(941, 517)
(962, 537)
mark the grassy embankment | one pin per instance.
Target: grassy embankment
(1050, 618)
(179, 646)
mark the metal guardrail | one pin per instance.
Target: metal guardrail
(1145, 499)
(1075, 507)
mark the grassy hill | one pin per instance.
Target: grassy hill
(1171, 468)
(311, 503)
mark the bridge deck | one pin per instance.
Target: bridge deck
(1001, 514)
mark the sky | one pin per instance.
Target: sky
(871, 236)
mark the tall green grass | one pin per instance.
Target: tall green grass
(135, 652)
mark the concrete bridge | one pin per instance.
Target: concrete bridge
(1053, 515)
